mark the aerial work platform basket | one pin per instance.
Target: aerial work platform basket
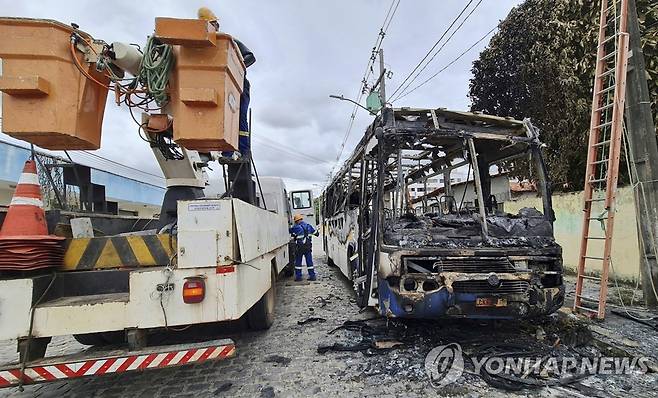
(205, 85)
(46, 100)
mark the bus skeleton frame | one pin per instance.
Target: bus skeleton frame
(506, 267)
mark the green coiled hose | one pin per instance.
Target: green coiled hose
(157, 61)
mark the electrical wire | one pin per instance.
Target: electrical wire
(364, 81)
(460, 56)
(78, 65)
(146, 91)
(429, 52)
(260, 188)
(442, 47)
(229, 192)
(26, 350)
(89, 160)
(118, 164)
(289, 151)
(634, 175)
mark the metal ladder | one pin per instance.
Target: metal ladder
(605, 140)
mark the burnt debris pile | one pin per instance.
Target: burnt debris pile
(399, 350)
(527, 228)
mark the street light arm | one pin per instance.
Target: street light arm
(340, 97)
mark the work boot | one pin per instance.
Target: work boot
(312, 278)
(298, 279)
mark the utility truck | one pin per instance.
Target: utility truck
(210, 259)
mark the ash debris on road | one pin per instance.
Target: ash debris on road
(400, 360)
(559, 336)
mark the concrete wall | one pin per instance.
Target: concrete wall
(568, 225)
(139, 209)
(499, 188)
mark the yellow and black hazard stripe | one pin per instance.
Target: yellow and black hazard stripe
(118, 252)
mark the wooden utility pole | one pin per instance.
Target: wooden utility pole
(643, 151)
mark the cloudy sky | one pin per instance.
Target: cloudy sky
(305, 50)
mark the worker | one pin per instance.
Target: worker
(244, 142)
(301, 233)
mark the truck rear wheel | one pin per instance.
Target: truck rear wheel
(261, 315)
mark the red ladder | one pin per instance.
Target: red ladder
(605, 140)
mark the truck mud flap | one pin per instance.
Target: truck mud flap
(100, 363)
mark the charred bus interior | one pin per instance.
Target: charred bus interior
(452, 251)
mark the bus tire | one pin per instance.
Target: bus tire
(261, 315)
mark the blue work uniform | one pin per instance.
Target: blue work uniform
(302, 232)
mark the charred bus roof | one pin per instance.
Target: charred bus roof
(420, 129)
(411, 145)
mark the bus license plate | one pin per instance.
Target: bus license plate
(490, 302)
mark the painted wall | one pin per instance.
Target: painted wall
(499, 188)
(568, 225)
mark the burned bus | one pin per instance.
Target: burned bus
(438, 255)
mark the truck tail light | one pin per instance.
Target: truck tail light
(194, 290)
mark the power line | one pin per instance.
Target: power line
(291, 152)
(447, 66)
(58, 157)
(439, 50)
(90, 157)
(433, 47)
(275, 145)
(119, 164)
(371, 62)
(390, 14)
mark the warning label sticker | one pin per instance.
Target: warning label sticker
(204, 206)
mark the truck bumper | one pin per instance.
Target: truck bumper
(98, 363)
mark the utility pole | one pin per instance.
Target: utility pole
(382, 84)
(643, 151)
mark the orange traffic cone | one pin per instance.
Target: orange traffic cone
(24, 240)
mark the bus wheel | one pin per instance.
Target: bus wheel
(261, 315)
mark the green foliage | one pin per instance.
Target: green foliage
(541, 65)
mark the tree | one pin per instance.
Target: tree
(541, 64)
